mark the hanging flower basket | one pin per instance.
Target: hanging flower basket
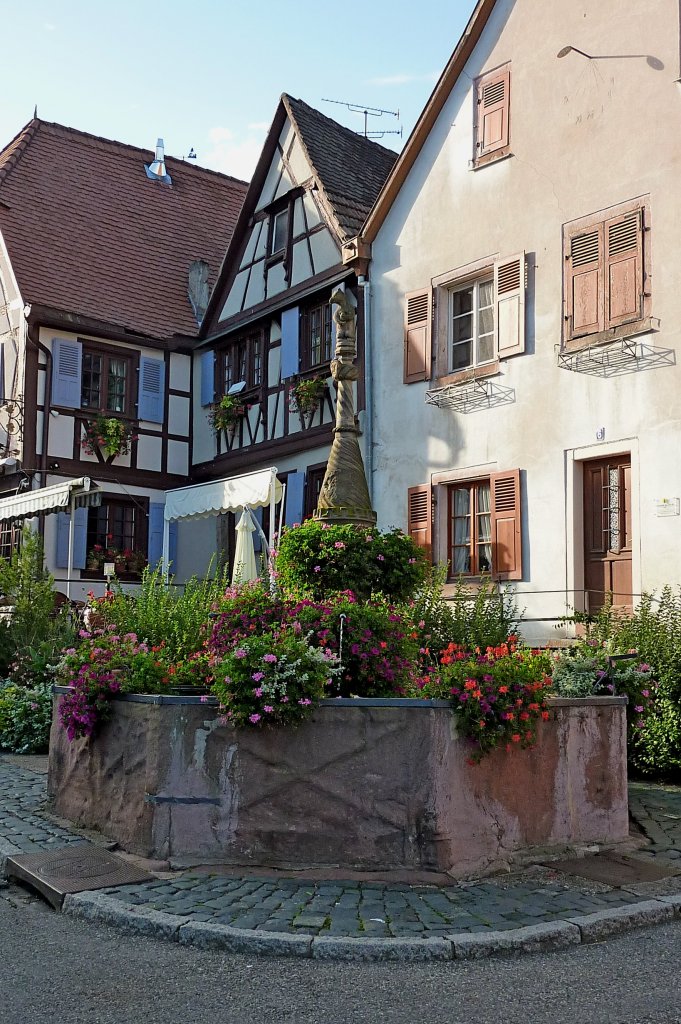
(225, 414)
(305, 395)
(109, 435)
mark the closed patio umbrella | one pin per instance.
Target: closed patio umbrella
(244, 555)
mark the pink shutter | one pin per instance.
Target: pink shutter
(417, 317)
(624, 269)
(507, 555)
(493, 108)
(420, 516)
(584, 282)
(509, 295)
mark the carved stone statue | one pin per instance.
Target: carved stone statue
(344, 497)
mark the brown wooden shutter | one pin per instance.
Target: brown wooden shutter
(624, 269)
(509, 296)
(417, 317)
(420, 516)
(584, 273)
(493, 107)
(507, 556)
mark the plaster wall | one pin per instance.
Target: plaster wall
(585, 135)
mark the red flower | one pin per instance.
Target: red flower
(516, 737)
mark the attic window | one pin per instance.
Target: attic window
(279, 231)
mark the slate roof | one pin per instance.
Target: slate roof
(88, 233)
(351, 169)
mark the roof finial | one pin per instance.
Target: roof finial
(35, 112)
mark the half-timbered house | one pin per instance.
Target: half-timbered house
(107, 255)
(268, 329)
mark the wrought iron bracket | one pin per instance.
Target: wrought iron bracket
(470, 396)
(627, 355)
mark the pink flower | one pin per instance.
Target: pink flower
(270, 658)
(380, 558)
(638, 709)
(204, 699)
(284, 700)
(304, 702)
(339, 544)
(644, 693)
(257, 692)
(241, 653)
(317, 568)
(257, 676)
(254, 718)
(268, 708)
(412, 561)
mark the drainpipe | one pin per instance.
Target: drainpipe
(364, 284)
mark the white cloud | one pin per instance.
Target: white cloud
(402, 79)
(233, 155)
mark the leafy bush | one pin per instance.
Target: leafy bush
(654, 630)
(272, 678)
(317, 560)
(161, 614)
(243, 610)
(25, 717)
(483, 616)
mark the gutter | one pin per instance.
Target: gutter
(365, 285)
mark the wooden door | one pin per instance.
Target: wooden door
(607, 532)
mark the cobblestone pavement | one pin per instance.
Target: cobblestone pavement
(351, 909)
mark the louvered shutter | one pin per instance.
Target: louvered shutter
(419, 516)
(207, 378)
(66, 372)
(584, 282)
(62, 554)
(150, 392)
(507, 558)
(417, 317)
(624, 269)
(290, 342)
(155, 533)
(493, 108)
(295, 487)
(509, 292)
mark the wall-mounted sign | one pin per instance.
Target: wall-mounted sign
(667, 506)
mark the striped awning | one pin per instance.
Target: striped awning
(56, 498)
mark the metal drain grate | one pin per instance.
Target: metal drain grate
(77, 869)
(614, 869)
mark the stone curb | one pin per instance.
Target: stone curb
(102, 909)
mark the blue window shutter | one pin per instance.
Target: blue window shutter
(151, 389)
(155, 534)
(172, 544)
(66, 369)
(207, 378)
(79, 539)
(295, 485)
(62, 559)
(290, 342)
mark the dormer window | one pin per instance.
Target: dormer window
(279, 232)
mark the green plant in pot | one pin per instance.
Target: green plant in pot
(108, 434)
(305, 395)
(225, 414)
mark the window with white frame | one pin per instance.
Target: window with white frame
(470, 334)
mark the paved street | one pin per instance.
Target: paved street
(56, 968)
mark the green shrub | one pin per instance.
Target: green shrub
(483, 615)
(161, 614)
(25, 717)
(317, 560)
(654, 630)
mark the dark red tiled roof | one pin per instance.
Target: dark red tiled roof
(88, 233)
(351, 169)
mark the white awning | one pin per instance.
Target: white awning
(55, 498)
(210, 499)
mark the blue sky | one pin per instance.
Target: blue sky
(208, 74)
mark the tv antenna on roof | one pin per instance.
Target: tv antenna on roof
(359, 108)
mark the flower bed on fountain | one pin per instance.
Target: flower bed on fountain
(375, 727)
